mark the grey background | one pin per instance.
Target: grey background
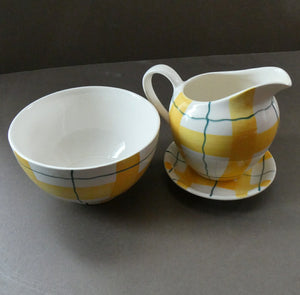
(155, 238)
(46, 33)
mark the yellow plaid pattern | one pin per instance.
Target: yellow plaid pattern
(222, 156)
(249, 183)
(92, 186)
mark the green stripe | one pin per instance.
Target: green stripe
(175, 163)
(213, 188)
(225, 119)
(262, 173)
(179, 160)
(86, 178)
(204, 141)
(74, 187)
(221, 178)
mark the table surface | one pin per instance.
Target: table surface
(156, 238)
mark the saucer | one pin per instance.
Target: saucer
(252, 182)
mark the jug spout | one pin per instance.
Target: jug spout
(269, 81)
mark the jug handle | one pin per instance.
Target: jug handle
(167, 72)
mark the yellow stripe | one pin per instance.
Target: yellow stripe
(189, 177)
(95, 192)
(245, 140)
(128, 177)
(244, 134)
(239, 187)
(124, 180)
(175, 117)
(60, 191)
(267, 156)
(239, 147)
(221, 145)
(216, 145)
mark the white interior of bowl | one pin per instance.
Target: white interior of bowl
(84, 127)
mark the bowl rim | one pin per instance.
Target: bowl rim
(47, 166)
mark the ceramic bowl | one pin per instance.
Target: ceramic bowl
(85, 144)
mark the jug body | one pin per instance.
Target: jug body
(222, 123)
(223, 138)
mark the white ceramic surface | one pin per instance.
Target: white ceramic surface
(222, 122)
(252, 182)
(78, 143)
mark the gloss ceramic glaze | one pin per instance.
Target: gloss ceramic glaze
(223, 122)
(85, 144)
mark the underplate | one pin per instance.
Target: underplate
(252, 182)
